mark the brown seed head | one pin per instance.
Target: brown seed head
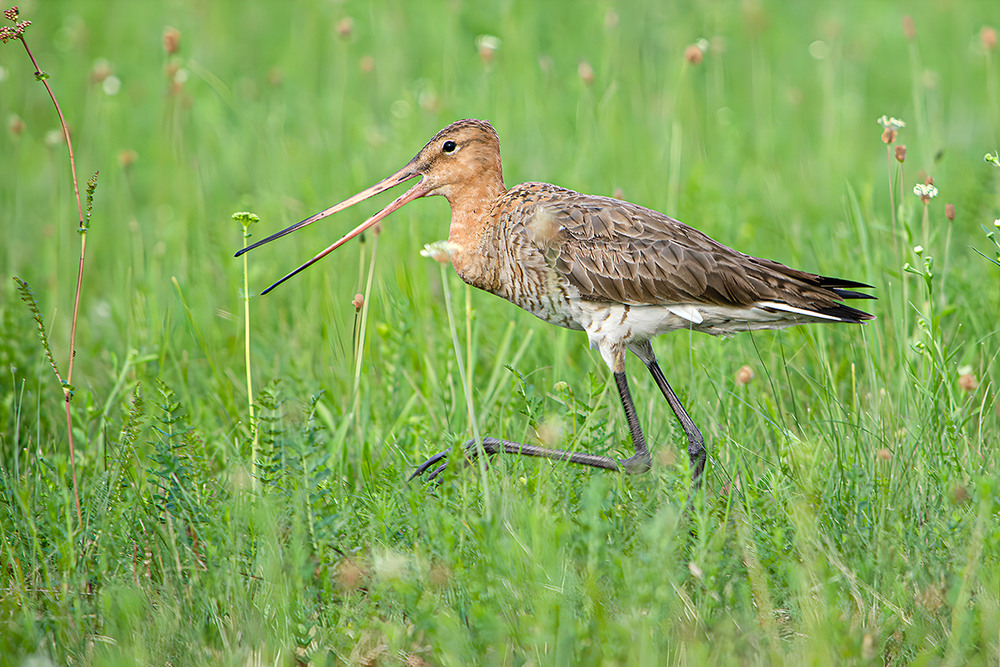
(127, 158)
(928, 180)
(344, 27)
(358, 302)
(367, 64)
(901, 153)
(988, 36)
(100, 71)
(618, 193)
(883, 455)
(16, 125)
(949, 212)
(693, 54)
(171, 40)
(888, 135)
(586, 72)
(909, 28)
(967, 382)
(610, 19)
(349, 574)
(959, 494)
(744, 375)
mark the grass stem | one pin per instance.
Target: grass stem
(363, 326)
(68, 395)
(246, 359)
(481, 458)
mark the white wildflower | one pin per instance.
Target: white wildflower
(439, 251)
(891, 123)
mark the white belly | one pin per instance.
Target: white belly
(611, 327)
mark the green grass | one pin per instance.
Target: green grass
(852, 508)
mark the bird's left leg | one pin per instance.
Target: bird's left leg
(639, 462)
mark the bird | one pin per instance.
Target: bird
(620, 272)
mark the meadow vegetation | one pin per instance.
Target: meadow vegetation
(851, 510)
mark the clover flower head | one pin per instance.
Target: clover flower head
(890, 123)
(926, 192)
(891, 127)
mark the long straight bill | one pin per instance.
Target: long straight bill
(401, 176)
(415, 192)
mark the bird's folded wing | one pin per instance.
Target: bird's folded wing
(615, 251)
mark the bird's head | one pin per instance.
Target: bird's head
(465, 155)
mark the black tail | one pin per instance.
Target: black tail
(844, 312)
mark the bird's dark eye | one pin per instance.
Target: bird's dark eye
(449, 146)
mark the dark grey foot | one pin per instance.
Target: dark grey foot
(437, 463)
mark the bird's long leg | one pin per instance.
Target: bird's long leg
(640, 461)
(696, 443)
(637, 463)
(496, 445)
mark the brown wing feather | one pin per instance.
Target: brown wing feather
(616, 251)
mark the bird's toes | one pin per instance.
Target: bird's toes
(470, 451)
(433, 477)
(429, 463)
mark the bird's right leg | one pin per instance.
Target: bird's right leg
(439, 462)
(696, 442)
